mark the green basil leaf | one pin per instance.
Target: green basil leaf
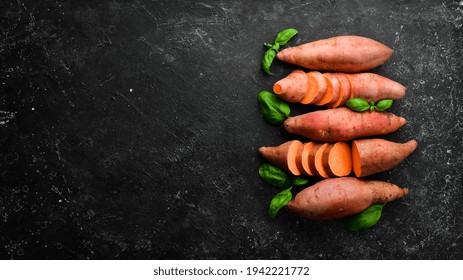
(268, 45)
(299, 181)
(267, 60)
(273, 109)
(284, 36)
(358, 104)
(383, 105)
(279, 201)
(366, 219)
(272, 175)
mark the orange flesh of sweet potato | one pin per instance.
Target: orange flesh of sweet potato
(302, 159)
(370, 86)
(337, 159)
(317, 87)
(345, 88)
(370, 156)
(336, 90)
(311, 158)
(336, 198)
(313, 90)
(342, 124)
(305, 158)
(318, 162)
(283, 156)
(293, 88)
(327, 96)
(348, 54)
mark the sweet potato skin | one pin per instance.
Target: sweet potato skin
(342, 124)
(293, 88)
(348, 54)
(377, 155)
(370, 86)
(336, 198)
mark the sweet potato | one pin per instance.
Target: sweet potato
(370, 156)
(341, 197)
(283, 156)
(348, 54)
(345, 89)
(370, 86)
(328, 95)
(292, 88)
(312, 90)
(336, 87)
(302, 159)
(337, 159)
(317, 87)
(342, 124)
(317, 161)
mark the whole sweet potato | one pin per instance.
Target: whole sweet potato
(341, 197)
(342, 124)
(342, 53)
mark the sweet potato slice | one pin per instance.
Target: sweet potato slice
(337, 159)
(345, 89)
(305, 158)
(319, 169)
(327, 96)
(370, 156)
(317, 87)
(283, 156)
(336, 89)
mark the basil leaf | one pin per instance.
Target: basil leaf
(284, 36)
(267, 60)
(358, 104)
(268, 45)
(383, 105)
(272, 175)
(279, 201)
(366, 219)
(273, 109)
(299, 181)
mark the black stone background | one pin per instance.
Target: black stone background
(130, 129)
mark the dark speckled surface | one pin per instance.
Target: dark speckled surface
(130, 129)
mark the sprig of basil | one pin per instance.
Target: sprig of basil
(273, 109)
(278, 178)
(281, 39)
(366, 219)
(279, 201)
(359, 105)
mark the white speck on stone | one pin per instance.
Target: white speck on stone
(131, 89)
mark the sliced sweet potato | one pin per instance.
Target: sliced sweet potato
(337, 159)
(345, 88)
(318, 162)
(305, 158)
(336, 89)
(328, 95)
(317, 87)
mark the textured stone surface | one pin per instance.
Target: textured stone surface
(130, 129)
